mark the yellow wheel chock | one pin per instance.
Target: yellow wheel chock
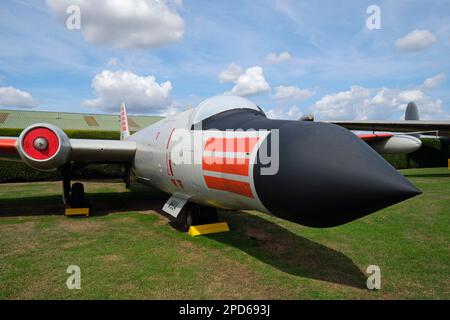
(208, 229)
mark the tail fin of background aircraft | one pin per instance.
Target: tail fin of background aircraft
(412, 112)
(124, 129)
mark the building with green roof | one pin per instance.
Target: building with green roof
(20, 119)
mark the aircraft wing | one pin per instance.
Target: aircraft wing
(441, 127)
(8, 149)
(46, 147)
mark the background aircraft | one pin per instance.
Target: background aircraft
(390, 143)
(412, 124)
(326, 175)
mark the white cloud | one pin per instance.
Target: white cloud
(250, 83)
(125, 24)
(410, 95)
(141, 94)
(293, 113)
(178, 3)
(112, 62)
(416, 40)
(361, 103)
(273, 58)
(12, 97)
(231, 74)
(292, 93)
(434, 82)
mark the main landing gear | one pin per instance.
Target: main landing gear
(73, 195)
(196, 214)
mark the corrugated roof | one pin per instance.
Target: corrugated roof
(3, 116)
(90, 120)
(133, 123)
(20, 119)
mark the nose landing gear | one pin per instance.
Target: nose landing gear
(198, 215)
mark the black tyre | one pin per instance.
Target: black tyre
(193, 215)
(198, 215)
(77, 195)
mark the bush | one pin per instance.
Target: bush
(398, 161)
(433, 153)
(20, 172)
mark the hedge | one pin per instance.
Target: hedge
(433, 153)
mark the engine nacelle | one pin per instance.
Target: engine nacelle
(44, 146)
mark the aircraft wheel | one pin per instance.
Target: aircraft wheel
(77, 195)
(198, 215)
(193, 217)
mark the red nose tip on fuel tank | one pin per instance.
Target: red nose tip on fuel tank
(40, 143)
(44, 146)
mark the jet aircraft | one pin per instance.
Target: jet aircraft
(225, 153)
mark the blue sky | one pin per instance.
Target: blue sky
(331, 64)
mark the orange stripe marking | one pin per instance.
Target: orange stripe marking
(231, 144)
(226, 165)
(238, 187)
(8, 146)
(374, 136)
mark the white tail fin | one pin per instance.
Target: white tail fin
(124, 129)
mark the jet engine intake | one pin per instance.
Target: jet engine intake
(44, 147)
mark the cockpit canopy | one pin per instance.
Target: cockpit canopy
(219, 104)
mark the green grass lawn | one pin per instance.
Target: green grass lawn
(128, 249)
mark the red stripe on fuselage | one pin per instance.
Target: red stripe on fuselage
(169, 161)
(170, 167)
(226, 165)
(170, 137)
(233, 186)
(231, 144)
